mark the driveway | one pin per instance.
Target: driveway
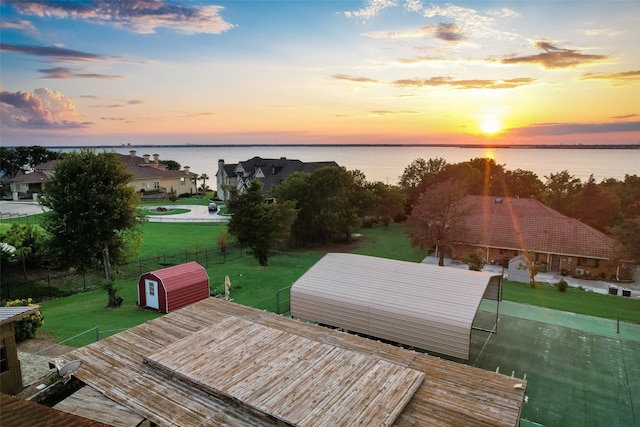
(598, 286)
(197, 213)
(19, 208)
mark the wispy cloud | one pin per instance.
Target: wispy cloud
(371, 9)
(622, 77)
(70, 73)
(140, 16)
(392, 112)
(353, 78)
(17, 24)
(130, 102)
(465, 84)
(555, 57)
(42, 109)
(626, 116)
(549, 129)
(54, 52)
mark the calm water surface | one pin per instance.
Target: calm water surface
(386, 164)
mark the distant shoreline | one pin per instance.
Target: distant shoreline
(550, 146)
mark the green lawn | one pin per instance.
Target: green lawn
(253, 285)
(574, 300)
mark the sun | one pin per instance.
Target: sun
(490, 125)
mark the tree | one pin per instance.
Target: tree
(518, 183)
(204, 177)
(438, 218)
(194, 178)
(24, 158)
(257, 224)
(93, 214)
(595, 206)
(26, 239)
(562, 189)
(387, 202)
(327, 201)
(419, 175)
(172, 165)
(529, 263)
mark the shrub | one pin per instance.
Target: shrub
(28, 326)
(562, 285)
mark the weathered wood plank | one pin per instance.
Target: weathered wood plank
(228, 359)
(451, 394)
(89, 403)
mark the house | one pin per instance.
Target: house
(149, 176)
(269, 171)
(10, 372)
(505, 227)
(415, 304)
(215, 363)
(174, 287)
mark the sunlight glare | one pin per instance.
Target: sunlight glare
(490, 125)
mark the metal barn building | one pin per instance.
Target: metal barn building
(424, 306)
(174, 287)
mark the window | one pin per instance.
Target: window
(152, 289)
(156, 184)
(182, 181)
(4, 363)
(588, 262)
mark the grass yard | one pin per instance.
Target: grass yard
(574, 300)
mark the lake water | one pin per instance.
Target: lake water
(387, 163)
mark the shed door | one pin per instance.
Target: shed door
(151, 293)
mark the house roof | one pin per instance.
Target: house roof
(181, 276)
(13, 314)
(137, 369)
(19, 412)
(30, 178)
(137, 165)
(527, 224)
(421, 305)
(275, 170)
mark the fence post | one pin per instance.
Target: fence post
(84, 281)
(49, 283)
(97, 334)
(278, 301)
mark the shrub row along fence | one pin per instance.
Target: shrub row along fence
(57, 285)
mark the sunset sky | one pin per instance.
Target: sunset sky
(97, 72)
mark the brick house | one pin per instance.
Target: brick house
(505, 227)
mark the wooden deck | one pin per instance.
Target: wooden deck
(288, 377)
(451, 394)
(91, 404)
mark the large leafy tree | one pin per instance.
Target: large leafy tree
(419, 175)
(257, 224)
(93, 214)
(13, 160)
(327, 203)
(437, 220)
(595, 206)
(562, 190)
(518, 183)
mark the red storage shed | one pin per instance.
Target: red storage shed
(174, 287)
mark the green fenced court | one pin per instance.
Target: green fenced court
(580, 370)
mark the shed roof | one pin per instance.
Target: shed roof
(422, 305)
(13, 314)
(181, 276)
